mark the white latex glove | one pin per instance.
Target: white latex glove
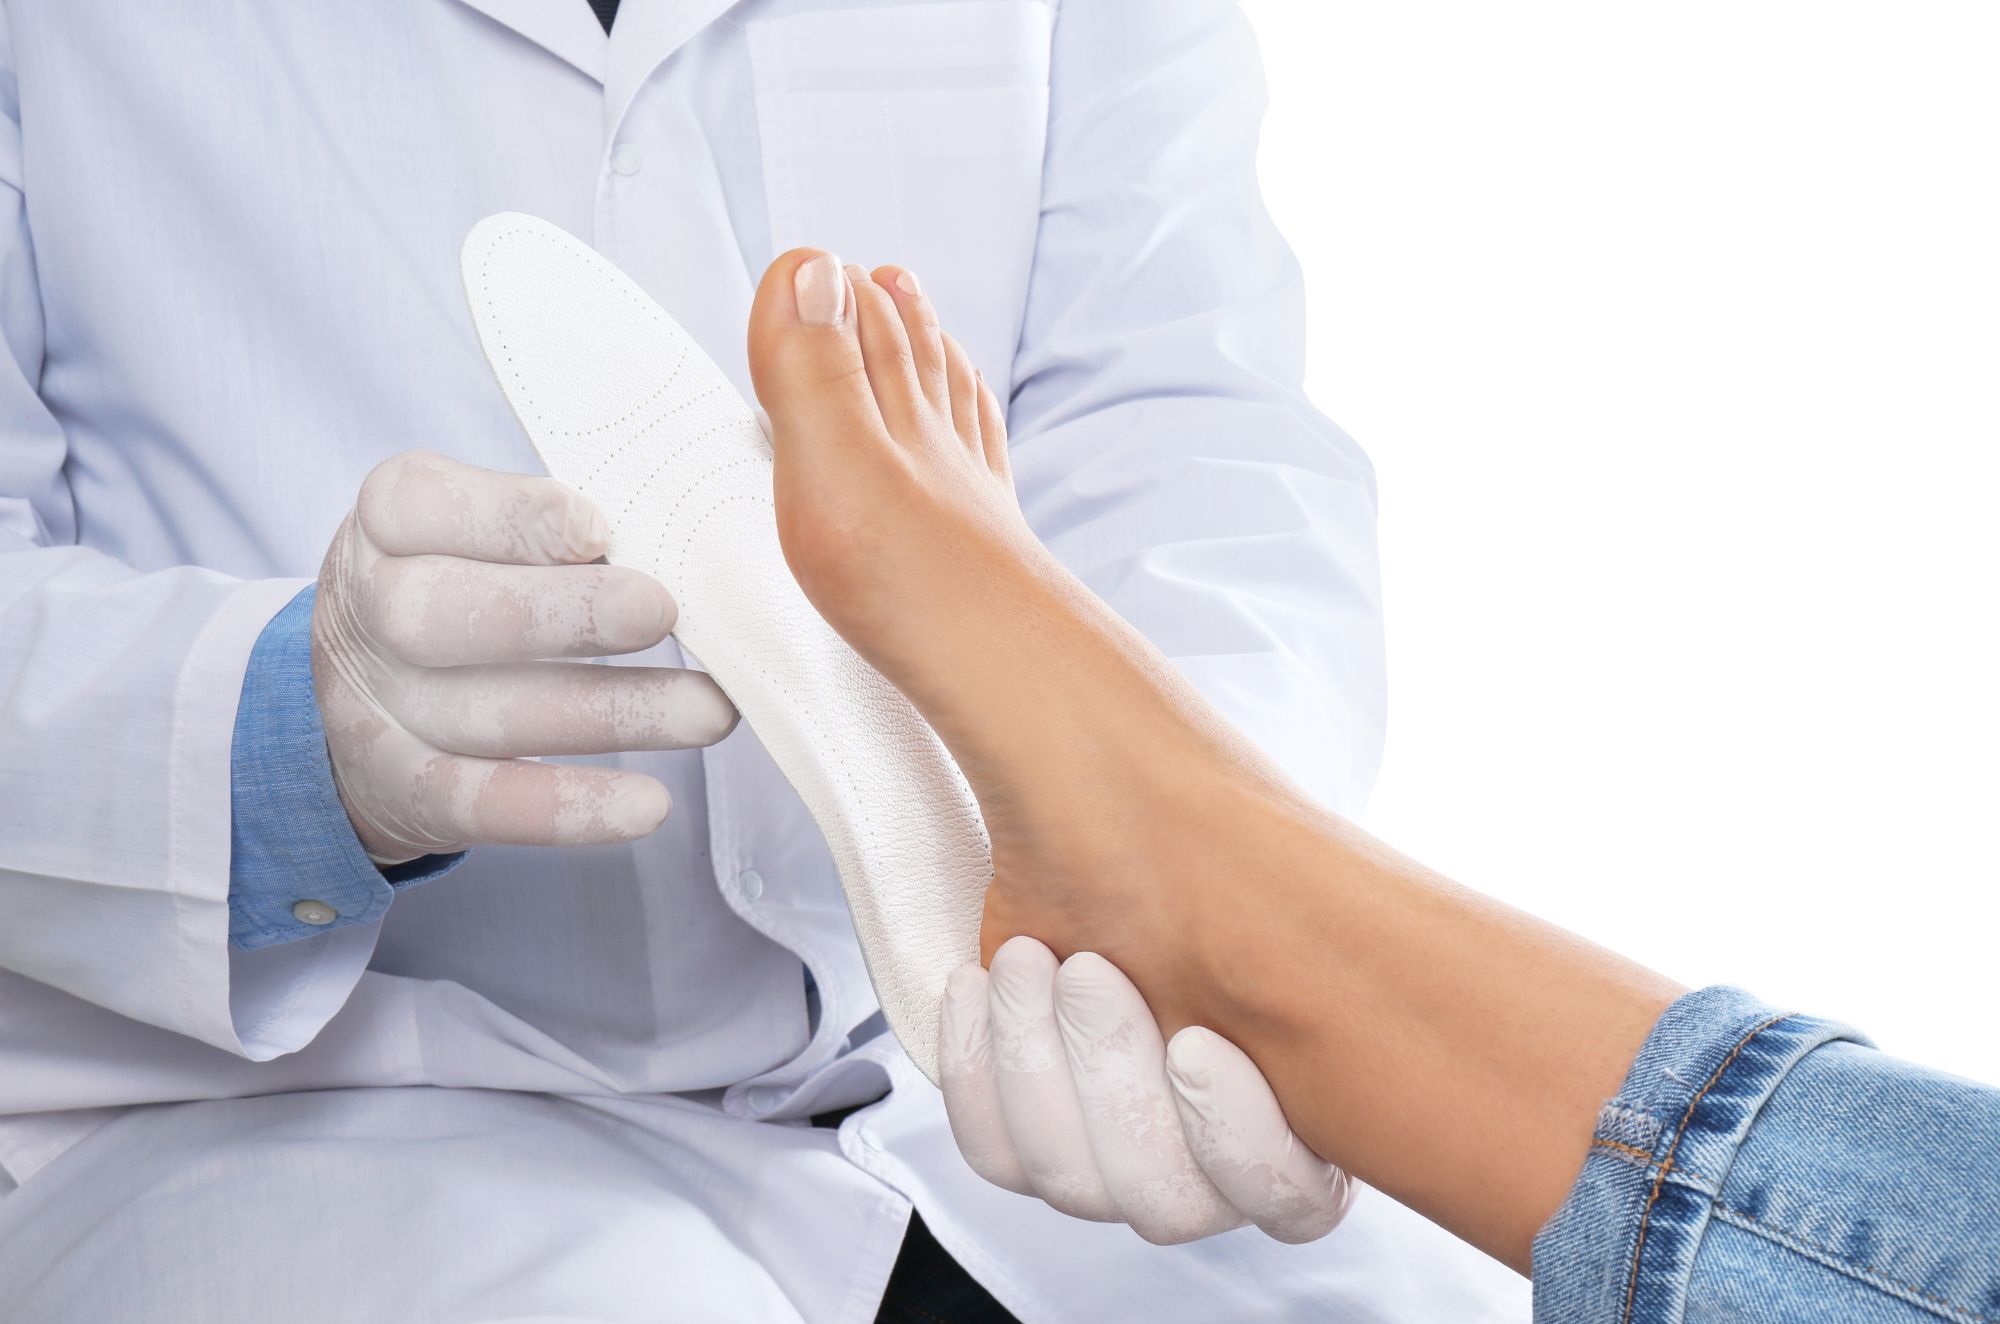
(441, 590)
(1058, 1085)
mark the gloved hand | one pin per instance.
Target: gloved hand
(1058, 1085)
(441, 590)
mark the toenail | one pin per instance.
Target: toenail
(820, 291)
(906, 281)
(858, 273)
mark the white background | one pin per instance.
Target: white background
(1674, 332)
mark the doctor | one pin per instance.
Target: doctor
(448, 1036)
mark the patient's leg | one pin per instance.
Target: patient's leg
(1381, 1000)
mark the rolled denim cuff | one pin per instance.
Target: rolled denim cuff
(1621, 1249)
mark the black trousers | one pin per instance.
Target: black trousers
(927, 1286)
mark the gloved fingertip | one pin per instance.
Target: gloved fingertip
(1190, 1226)
(583, 534)
(1318, 1222)
(637, 806)
(1191, 1056)
(966, 983)
(964, 1021)
(634, 610)
(1089, 967)
(1021, 950)
(1093, 998)
(1301, 1229)
(709, 712)
(1022, 978)
(1083, 979)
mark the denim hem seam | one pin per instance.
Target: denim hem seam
(1861, 1273)
(1666, 1164)
(1643, 1158)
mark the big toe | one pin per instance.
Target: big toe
(805, 359)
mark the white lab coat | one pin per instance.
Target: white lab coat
(228, 286)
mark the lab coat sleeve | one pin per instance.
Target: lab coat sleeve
(118, 694)
(1161, 442)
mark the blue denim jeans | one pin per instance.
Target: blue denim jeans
(1766, 1168)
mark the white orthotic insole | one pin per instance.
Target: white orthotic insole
(622, 405)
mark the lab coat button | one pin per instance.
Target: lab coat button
(625, 159)
(314, 913)
(752, 884)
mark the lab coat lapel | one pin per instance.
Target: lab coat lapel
(646, 33)
(566, 29)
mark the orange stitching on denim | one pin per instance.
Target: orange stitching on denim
(1783, 1236)
(1647, 1155)
(1667, 1164)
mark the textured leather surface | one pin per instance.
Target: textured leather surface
(623, 405)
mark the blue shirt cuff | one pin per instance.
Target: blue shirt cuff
(292, 850)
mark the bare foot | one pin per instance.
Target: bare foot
(893, 490)
(898, 517)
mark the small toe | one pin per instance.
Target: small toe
(962, 394)
(920, 328)
(885, 345)
(806, 360)
(993, 430)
